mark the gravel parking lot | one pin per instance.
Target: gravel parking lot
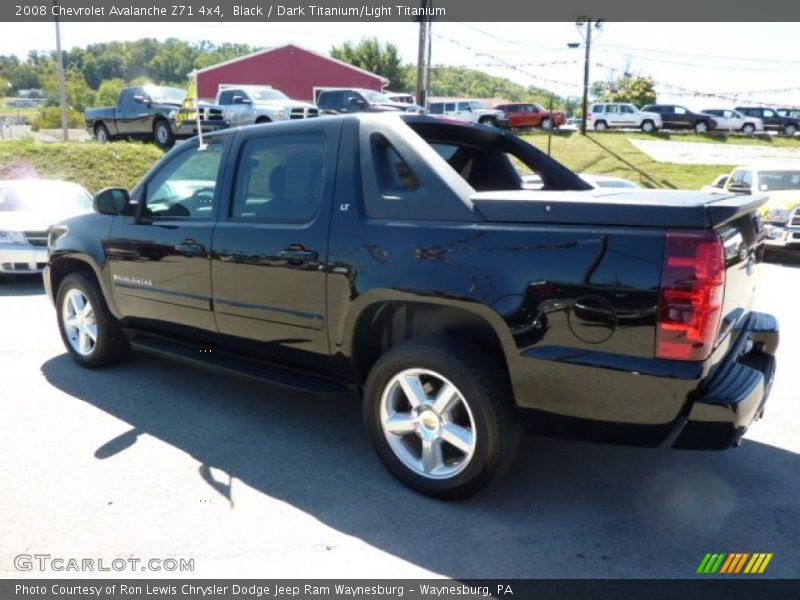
(153, 459)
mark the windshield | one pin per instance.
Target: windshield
(374, 97)
(267, 94)
(44, 197)
(779, 180)
(166, 95)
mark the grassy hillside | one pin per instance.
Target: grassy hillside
(120, 164)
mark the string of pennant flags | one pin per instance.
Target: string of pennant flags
(522, 68)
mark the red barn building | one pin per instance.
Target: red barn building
(291, 69)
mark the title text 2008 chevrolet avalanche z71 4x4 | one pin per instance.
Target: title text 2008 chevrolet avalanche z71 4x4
(400, 258)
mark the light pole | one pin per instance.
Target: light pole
(61, 84)
(588, 44)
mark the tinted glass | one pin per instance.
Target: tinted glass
(436, 109)
(393, 171)
(280, 179)
(185, 187)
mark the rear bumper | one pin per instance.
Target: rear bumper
(22, 258)
(733, 397)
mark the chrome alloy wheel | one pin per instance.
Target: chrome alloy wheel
(428, 423)
(79, 322)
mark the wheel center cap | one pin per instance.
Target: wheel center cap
(429, 421)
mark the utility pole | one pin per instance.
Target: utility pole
(586, 75)
(61, 83)
(424, 56)
(588, 43)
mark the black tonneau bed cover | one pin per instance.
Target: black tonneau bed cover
(601, 207)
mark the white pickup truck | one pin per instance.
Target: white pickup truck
(249, 104)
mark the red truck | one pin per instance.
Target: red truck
(529, 114)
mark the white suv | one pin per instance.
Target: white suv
(468, 110)
(606, 115)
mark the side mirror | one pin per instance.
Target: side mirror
(739, 189)
(139, 99)
(111, 201)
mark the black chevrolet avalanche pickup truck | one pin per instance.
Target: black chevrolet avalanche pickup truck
(398, 258)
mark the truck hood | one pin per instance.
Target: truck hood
(786, 199)
(642, 208)
(29, 220)
(282, 104)
(404, 106)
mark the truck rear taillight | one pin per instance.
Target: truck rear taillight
(690, 295)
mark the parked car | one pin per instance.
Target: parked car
(468, 110)
(675, 116)
(772, 120)
(423, 278)
(608, 181)
(355, 100)
(779, 184)
(733, 120)
(150, 112)
(607, 115)
(718, 185)
(400, 97)
(528, 114)
(249, 104)
(28, 207)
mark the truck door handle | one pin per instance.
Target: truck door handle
(297, 254)
(190, 248)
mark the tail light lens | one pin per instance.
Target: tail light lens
(690, 295)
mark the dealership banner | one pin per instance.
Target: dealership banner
(210, 11)
(441, 589)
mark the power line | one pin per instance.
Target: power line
(695, 55)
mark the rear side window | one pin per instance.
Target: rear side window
(280, 179)
(393, 171)
(598, 108)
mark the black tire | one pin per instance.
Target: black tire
(748, 129)
(101, 134)
(111, 345)
(162, 133)
(701, 127)
(648, 126)
(485, 391)
(547, 123)
(790, 129)
(490, 121)
(600, 125)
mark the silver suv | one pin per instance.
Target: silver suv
(607, 115)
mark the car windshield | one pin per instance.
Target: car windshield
(779, 180)
(166, 95)
(44, 197)
(375, 97)
(267, 94)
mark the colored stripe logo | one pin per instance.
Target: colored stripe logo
(734, 562)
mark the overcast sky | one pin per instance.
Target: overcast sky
(728, 58)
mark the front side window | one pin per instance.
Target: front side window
(280, 179)
(436, 109)
(185, 187)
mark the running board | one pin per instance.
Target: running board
(231, 364)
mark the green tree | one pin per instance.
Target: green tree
(108, 92)
(49, 117)
(636, 89)
(380, 59)
(79, 95)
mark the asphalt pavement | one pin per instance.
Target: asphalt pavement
(155, 459)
